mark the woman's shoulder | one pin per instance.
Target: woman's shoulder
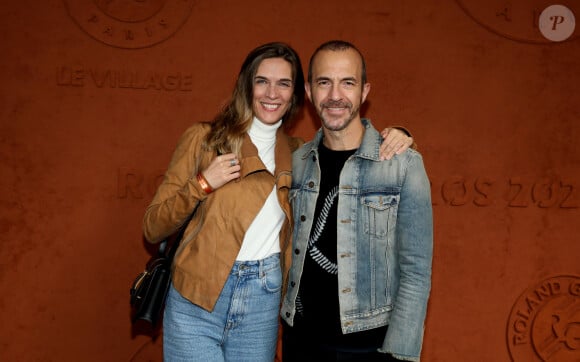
(198, 127)
(197, 130)
(192, 139)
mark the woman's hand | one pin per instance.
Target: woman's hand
(395, 141)
(222, 170)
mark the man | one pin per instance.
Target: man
(363, 234)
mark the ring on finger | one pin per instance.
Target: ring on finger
(232, 162)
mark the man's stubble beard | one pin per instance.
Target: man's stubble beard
(352, 115)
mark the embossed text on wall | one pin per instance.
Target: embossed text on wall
(130, 24)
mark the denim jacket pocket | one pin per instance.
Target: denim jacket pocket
(379, 213)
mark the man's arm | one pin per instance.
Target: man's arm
(414, 240)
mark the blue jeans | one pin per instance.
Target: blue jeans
(243, 325)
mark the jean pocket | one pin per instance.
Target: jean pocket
(272, 280)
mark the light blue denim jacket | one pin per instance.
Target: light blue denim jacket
(385, 240)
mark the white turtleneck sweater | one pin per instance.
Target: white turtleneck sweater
(262, 238)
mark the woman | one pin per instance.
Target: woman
(234, 174)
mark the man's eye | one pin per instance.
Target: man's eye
(261, 81)
(323, 83)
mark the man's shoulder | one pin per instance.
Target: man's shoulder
(408, 161)
(412, 154)
(299, 153)
(305, 147)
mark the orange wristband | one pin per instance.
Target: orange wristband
(204, 184)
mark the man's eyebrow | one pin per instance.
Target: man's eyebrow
(346, 79)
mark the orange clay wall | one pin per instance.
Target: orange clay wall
(94, 95)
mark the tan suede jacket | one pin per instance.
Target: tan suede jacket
(214, 236)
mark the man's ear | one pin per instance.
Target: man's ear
(365, 91)
(308, 91)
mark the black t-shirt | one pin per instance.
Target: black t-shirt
(317, 305)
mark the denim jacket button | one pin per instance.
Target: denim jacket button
(302, 218)
(311, 184)
(346, 290)
(287, 314)
(296, 251)
(292, 284)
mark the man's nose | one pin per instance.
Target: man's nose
(335, 93)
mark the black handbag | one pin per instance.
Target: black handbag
(150, 288)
